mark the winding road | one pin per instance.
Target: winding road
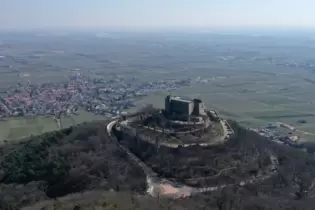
(165, 188)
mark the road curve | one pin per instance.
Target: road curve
(165, 188)
(156, 186)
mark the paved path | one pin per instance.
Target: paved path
(227, 132)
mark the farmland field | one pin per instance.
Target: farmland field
(255, 80)
(22, 127)
(17, 128)
(256, 99)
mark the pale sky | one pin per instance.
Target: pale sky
(29, 14)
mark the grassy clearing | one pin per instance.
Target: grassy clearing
(309, 129)
(274, 115)
(21, 127)
(84, 116)
(273, 100)
(294, 120)
(305, 107)
(17, 128)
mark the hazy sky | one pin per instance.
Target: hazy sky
(23, 14)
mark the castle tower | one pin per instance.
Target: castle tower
(167, 105)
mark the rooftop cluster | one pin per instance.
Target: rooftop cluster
(100, 96)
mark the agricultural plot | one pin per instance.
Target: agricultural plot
(66, 121)
(303, 95)
(269, 99)
(253, 80)
(255, 99)
(307, 128)
(17, 128)
(303, 107)
(84, 116)
(276, 116)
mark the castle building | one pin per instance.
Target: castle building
(184, 107)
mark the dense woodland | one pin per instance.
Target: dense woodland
(84, 159)
(246, 155)
(63, 162)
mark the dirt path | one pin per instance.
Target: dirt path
(57, 122)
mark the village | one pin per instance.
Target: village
(81, 92)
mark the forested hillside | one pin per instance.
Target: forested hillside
(59, 163)
(84, 159)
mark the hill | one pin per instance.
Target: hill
(114, 200)
(246, 156)
(83, 159)
(63, 162)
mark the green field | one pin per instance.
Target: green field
(254, 80)
(21, 127)
(255, 98)
(67, 121)
(17, 128)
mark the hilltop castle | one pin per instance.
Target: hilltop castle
(184, 107)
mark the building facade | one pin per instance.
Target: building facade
(183, 106)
